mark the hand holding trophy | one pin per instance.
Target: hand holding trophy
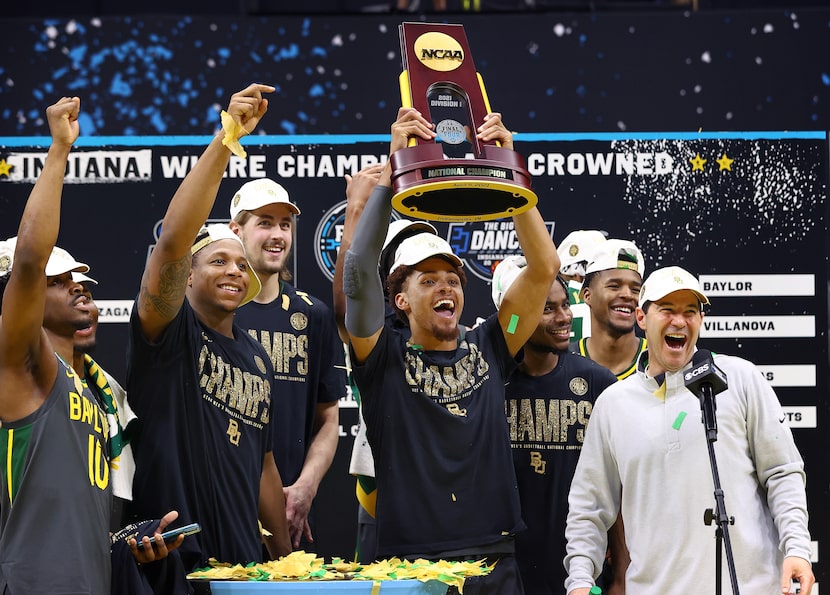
(435, 180)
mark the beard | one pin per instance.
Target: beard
(270, 267)
(443, 333)
(267, 264)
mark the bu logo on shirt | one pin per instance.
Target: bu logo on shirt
(233, 432)
(456, 410)
(537, 462)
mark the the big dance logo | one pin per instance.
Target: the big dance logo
(483, 244)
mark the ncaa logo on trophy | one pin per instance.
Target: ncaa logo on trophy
(437, 180)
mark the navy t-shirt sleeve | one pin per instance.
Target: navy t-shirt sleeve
(365, 376)
(141, 353)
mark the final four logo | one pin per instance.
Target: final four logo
(328, 235)
(327, 238)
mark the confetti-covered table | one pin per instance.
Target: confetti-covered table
(403, 587)
(301, 573)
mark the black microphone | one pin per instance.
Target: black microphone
(705, 380)
(704, 372)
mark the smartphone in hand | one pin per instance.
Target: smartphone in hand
(172, 534)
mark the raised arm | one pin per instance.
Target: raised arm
(25, 352)
(524, 301)
(165, 278)
(361, 284)
(358, 189)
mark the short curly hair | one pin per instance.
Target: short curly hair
(396, 279)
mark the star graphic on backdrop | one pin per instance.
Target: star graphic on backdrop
(697, 162)
(5, 168)
(724, 163)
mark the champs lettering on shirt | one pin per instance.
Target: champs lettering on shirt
(244, 396)
(549, 424)
(450, 383)
(288, 351)
(288, 346)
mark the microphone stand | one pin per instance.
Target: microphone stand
(708, 408)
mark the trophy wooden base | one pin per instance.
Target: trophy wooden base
(427, 186)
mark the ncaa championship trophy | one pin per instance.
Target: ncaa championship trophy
(438, 180)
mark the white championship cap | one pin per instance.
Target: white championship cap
(576, 248)
(420, 247)
(616, 254)
(398, 226)
(60, 261)
(81, 278)
(667, 280)
(258, 193)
